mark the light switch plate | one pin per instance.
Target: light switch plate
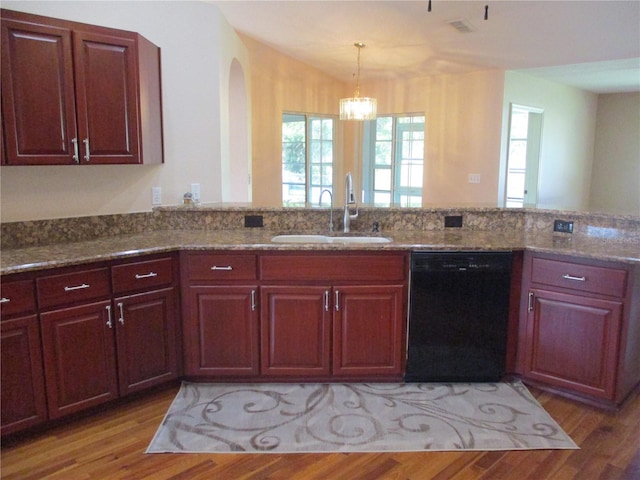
(474, 178)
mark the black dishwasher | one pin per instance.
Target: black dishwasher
(458, 314)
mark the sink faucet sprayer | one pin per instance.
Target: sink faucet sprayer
(330, 207)
(350, 199)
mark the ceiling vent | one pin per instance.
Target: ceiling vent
(462, 25)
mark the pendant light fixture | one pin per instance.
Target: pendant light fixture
(357, 107)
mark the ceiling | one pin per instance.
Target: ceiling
(593, 45)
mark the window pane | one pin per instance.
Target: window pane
(384, 127)
(382, 199)
(382, 179)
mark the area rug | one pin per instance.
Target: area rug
(381, 417)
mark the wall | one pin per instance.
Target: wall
(615, 182)
(189, 35)
(462, 125)
(567, 138)
(282, 84)
(463, 114)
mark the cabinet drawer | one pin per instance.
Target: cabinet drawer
(142, 275)
(73, 287)
(333, 267)
(577, 276)
(17, 298)
(221, 267)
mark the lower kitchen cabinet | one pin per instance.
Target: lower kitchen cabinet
(22, 395)
(320, 315)
(79, 357)
(368, 330)
(579, 332)
(295, 330)
(146, 339)
(221, 331)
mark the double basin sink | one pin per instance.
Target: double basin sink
(328, 239)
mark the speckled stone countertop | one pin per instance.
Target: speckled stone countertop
(124, 246)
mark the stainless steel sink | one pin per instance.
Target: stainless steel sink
(295, 238)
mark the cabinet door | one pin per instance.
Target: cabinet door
(295, 331)
(368, 330)
(572, 342)
(38, 105)
(22, 398)
(106, 94)
(79, 357)
(146, 339)
(221, 331)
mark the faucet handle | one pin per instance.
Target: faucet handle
(376, 227)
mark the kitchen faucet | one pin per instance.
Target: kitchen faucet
(330, 207)
(350, 199)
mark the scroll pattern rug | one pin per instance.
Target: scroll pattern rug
(288, 418)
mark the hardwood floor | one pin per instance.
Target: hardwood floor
(111, 445)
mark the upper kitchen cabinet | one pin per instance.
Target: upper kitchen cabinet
(77, 93)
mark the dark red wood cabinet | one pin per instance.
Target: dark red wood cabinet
(294, 316)
(579, 327)
(22, 390)
(220, 315)
(77, 93)
(98, 332)
(145, 312)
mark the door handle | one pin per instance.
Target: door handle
(87, 154)
(109, 322)
(337, 300)
(121, 307)
(253, 300)
(530, 302)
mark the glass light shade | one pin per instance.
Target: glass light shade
(358, 108)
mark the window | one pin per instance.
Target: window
(307, 158)
(394, 161)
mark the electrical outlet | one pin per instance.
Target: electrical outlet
(156, 196)
(195, 192)
(474, 178)
(564, 226)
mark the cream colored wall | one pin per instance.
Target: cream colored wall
(189, 35)
(463, 120)
(615, 182)
(463, 114)
(282, 84)
(567, 138)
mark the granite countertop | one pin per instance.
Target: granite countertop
(123, 246)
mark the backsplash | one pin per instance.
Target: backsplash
(222, 217)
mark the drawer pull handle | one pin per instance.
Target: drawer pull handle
(5, 300)
(225, 267)
(566, 276)
(146, 275)
(77, 287)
